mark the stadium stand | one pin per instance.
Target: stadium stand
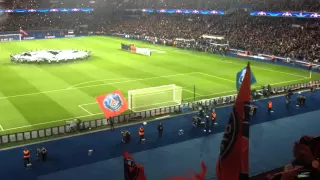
(287, 37)
(268, 35)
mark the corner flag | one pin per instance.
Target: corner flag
(240, 77)
(233, 159)
(112, 104)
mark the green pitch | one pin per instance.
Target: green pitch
(38, 96)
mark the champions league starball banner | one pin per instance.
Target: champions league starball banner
(46, 10)
(286, 14)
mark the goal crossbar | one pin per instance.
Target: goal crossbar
(149, 88)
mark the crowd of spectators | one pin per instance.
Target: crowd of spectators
(290, 37)
(287, 37)
(275, 5)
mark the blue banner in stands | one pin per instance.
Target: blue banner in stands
(185, 11)
(46, 10)
(286, 14)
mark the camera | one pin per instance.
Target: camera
(301, 100)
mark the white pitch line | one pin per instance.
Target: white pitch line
(38, 124)
(85, 109)
(217, 77)
(1, 128)
(192, 92)
(82, 87)
(284, 82)
(87, 104)
(99, 80)
(229, 62)
(215, 94)
(205, 57)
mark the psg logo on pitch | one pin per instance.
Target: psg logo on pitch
(113, 102)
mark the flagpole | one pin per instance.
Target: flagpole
(194, 93)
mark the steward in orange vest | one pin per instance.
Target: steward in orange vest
(269, 106)
(141, 134)
(26, 157)
(214, 116)
(309, 65)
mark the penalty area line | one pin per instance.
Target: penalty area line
(191, 92)
(99, 80)
(80, 106)
(60, 120)
(91, 86)
(1, 128)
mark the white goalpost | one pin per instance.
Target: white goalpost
(154, 97)
(10, 37)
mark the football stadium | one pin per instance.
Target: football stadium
(45, 95)
(159, 90)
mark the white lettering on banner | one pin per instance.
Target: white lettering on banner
(28, 38)
(49, 37)
(143, 51)
(69, 36)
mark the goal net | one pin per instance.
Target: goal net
(10, 37)
(154, 97)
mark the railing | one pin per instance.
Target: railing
(145, 115)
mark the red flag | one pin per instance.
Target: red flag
(200, 176)
(233, 159)
(132, 171)
(23, 32)
(112, 104)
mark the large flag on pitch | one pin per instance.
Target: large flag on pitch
(132, 171)
(233, 159)
(200, 176)
(23, 32)
(112, 104)
(240, 76)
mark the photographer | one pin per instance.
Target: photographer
(125, 136)
(201, 112)
(42, 154)
(301, 100)
(196, 122)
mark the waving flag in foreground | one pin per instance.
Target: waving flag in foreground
(200, 176)
(240, 78)
(233, 159)
(23, 32)
(132, 171)
(112, 104)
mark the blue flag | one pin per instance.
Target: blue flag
(240, 76)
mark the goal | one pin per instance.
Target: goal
(10, 37)
(154, 97)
